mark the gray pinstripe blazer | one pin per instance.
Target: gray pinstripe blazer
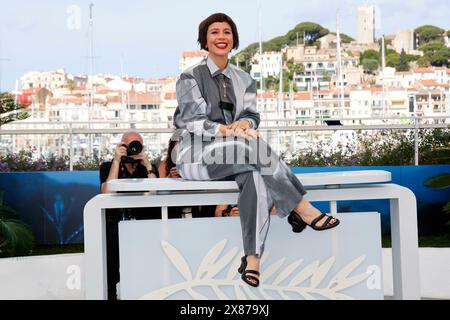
(199, 97)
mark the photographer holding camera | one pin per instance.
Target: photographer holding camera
(129, 161)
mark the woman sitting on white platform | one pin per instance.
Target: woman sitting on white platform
(218, 122)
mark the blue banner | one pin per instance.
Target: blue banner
(52, 203)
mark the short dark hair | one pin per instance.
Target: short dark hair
(216, 17)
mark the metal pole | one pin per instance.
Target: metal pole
(416, 141)
(339, 62)
(261, 82)
(121, 83)
(280, 103)
(383, 66)
(91, 85)
(71, 147)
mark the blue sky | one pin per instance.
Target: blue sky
(150, 35)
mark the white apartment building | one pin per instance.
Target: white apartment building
(190, 58)
(395, 79)
(44, 79)
(431, 76)
(429, 102)
(439, 74)
(144, 111)
(143, 107)
(168, 107)
(407, 79)
(167, 84)
(369, 102)
(74, 109)
(320, 67)
(270, 65)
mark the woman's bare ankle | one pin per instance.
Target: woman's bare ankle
(253, 260)
(302, 206)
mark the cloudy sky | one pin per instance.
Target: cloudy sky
(148, 36)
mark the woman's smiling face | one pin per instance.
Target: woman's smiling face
(219, 39)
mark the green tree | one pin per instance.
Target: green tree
(370, 65)
(10, 110)
(412, 57)
(423, 62)
(245, 56)
(309, 30)
(440, 58)
(273, 83)
(275, 44)
(369, 55)
(428, 33)
(392, 59)
(270, 82)
(344, 37)
(294, 67)
(402, 64)
(432, 46)
(285, 87)
(16, 238)
(437, 53)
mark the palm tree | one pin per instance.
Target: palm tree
(16, 238)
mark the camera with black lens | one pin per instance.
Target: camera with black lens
(133, 148)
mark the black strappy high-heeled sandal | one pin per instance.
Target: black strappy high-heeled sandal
(248, 275)
(298, 225)
(327, 225)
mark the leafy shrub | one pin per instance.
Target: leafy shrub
(389, 147)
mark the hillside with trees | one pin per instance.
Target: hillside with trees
(305, 32)
(430, 40)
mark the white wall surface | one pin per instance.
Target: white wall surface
(61, 277)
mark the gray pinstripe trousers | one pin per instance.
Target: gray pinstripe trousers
(264, 181)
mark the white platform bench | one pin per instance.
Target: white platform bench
(326, 186)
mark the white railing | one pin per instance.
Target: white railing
(70, 133)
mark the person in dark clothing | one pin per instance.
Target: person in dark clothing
(119, 168)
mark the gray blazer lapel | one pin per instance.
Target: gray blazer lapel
(239, 91)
